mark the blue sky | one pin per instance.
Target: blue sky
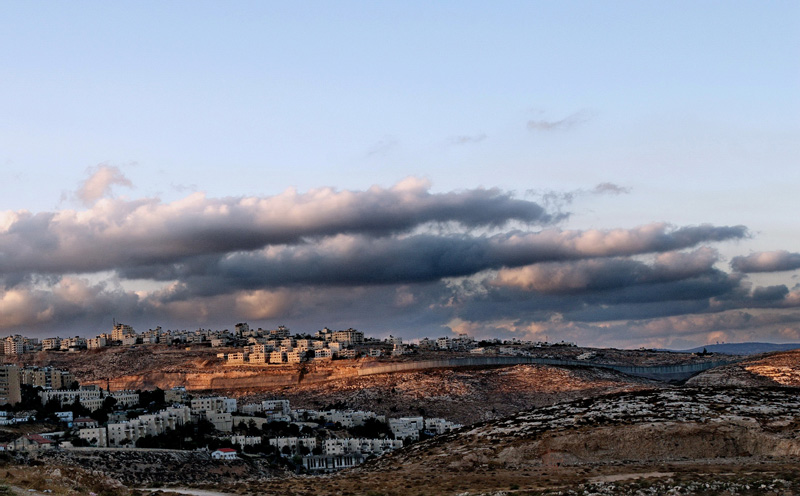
(686, 111)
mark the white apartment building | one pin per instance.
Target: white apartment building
(276, 406)
(406, 427)
(213, 404)
(293, 443)
(246, 440)
(95, 436)
(223, 421)
(323, 354)
(439, 425)
(363, 446)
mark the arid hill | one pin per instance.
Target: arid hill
(675, 441)
(771, 369)
(464, 395)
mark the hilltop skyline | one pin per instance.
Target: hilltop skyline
(610, 174)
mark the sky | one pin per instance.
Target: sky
(610, 173)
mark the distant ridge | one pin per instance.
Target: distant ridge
(743, 348)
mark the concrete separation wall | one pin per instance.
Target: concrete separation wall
(664, 372)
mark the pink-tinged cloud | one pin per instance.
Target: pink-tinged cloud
(767, 261)
(116, 233)
(607, 273)
(99, 184)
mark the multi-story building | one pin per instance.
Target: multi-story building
(349, 353)
(280, 333)
(95, 343)
(10, 393)
(95, 436)
(257, 357)
(341, 446)
(277, 357)
(293, 443)
(323, 354)
(439, 425)
(213, 404)
(73, 344)
(14, 345)
(348, 337)
(120, 331)
(46, 377)
(237, 357)
(295, 356)
(406, 427)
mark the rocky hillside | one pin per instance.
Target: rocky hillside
(772, 369)
(670, 441)
(149, 467)
(462, 395)
(656, 425)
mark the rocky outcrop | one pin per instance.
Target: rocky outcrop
(652, 426)
(146, 467)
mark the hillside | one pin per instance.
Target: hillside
(463, 395)
(773, 369)
(657, 441)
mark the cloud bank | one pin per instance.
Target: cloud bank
(400, 259)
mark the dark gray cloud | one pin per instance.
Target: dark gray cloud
(607, 273)
(767, 261)
(770, 293)
(116, 234)
(360, 260)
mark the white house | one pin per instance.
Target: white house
(224, 454)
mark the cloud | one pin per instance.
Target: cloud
(115, 234)
(564, 124)
(606, 273)
(98, 184)
(767, 261)
(357, 260)
(399, 260)
(467, 139)
(770, 293)
(610, 189)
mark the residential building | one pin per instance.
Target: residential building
(348, 337)
(10, 393)
(224, 454)
(95, 436)
(331, 463)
